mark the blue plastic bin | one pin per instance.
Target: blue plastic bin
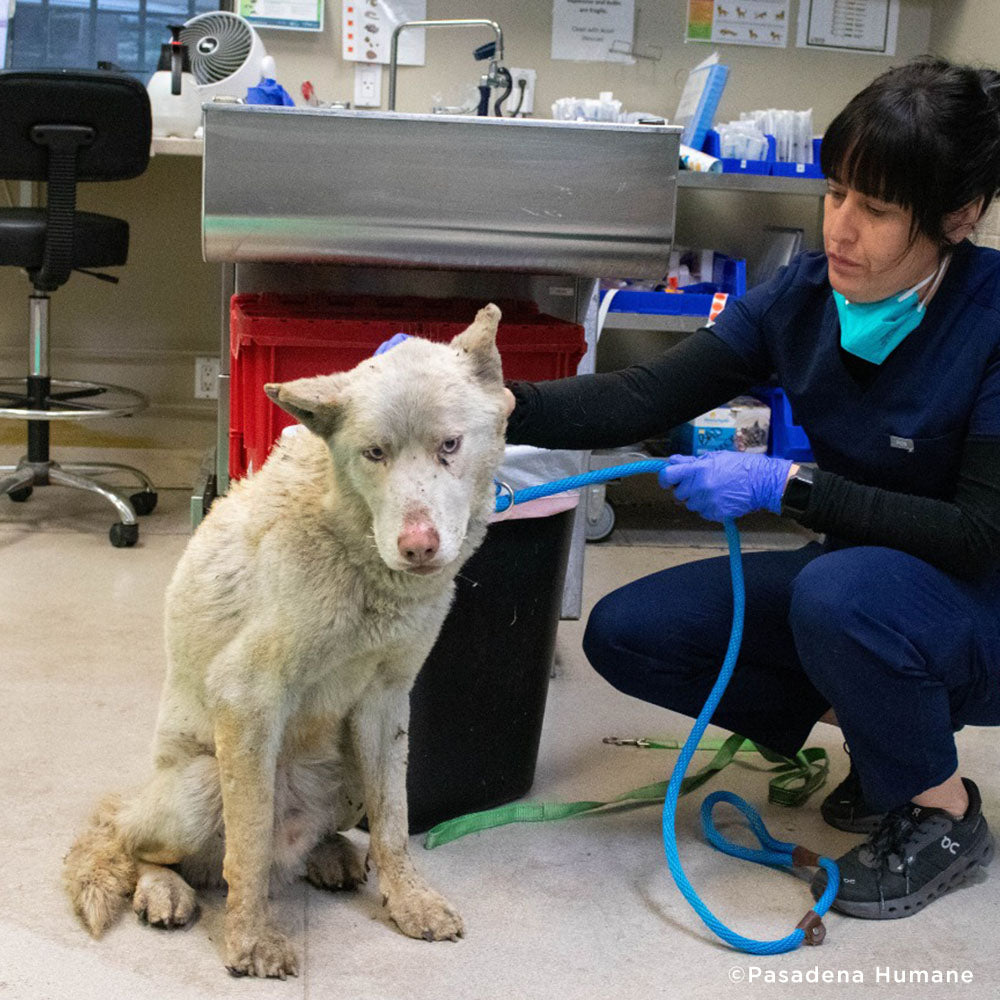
(779, 169)
(785, 439)
(729, 275)
(731, 165)
(770, 165)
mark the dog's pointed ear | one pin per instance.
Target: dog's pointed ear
(479, 343)
(315, 402)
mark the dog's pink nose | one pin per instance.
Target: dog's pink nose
(418, 542)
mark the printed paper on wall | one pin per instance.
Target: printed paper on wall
(748, 22)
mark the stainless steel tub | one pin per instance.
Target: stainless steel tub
(463, 193)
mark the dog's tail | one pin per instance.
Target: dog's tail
(100, 873)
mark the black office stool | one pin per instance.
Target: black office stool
(63, 127)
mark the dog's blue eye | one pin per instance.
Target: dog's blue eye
(374, 454)
(450, 446)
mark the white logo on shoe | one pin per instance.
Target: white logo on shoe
(951, 846)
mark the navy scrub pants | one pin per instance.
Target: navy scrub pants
(904, 653)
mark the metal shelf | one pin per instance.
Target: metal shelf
(814, 187)
(171, 145)
(653, 321)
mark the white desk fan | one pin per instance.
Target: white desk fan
(227, 55)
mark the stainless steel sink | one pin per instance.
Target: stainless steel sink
(402, 190)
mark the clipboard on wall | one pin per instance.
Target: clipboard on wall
(699, 100)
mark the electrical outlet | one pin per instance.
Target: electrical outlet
(367, 85)
(206, 378)
(528, 104)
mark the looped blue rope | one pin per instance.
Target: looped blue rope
(775, 852)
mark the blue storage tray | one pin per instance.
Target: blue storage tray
(800, 169)
(785, 439)
(729, 275)
(730, 165)
(770, 165)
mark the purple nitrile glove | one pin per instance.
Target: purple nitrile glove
(396, 338)
(269, 91)
(725, 484)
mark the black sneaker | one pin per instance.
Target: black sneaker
(845, 807)
(916, 854)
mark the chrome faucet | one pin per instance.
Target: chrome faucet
(497, 75)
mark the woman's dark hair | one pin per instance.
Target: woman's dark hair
(925, 136)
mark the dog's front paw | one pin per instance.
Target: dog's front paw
(265, 954)
(424, 914)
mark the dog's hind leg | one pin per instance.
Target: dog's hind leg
(170, 818)
(177, 814)
(335, 863)
(175, 819)
(316, 800)
(162, 898)
(379, 726)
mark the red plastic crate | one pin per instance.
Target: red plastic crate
(276, 338)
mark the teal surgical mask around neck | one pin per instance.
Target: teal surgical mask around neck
(873, 330)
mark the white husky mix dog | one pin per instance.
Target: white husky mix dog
(296, 622)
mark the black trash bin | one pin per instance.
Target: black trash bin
(477, 706)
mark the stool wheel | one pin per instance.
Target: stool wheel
(124, 536)
(19, 496)
(143, 503)
(601, 529)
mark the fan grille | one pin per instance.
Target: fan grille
(218, 44)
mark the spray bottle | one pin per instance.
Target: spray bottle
(173, 91)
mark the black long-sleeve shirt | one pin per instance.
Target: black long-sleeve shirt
(959, 533)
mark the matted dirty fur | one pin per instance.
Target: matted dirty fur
(296, 622)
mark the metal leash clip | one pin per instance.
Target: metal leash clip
(620, 741)
(501, 489)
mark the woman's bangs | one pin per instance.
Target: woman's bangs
(876, 158)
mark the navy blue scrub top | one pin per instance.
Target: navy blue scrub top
(903, 428)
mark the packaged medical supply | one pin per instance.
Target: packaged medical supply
(792, 131)
(700, 98)
(740, 425)
(740, 165)
(742, 140)
(602, 109)
(694, 159)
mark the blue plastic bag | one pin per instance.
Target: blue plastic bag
(269, 91)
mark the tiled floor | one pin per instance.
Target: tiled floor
(583, 908)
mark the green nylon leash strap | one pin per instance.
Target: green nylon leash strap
(795, 780)
(531, 812)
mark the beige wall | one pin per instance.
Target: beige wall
(147, 330)
(968, 31)
(788, 77)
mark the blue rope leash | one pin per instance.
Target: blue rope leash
(773, 853)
